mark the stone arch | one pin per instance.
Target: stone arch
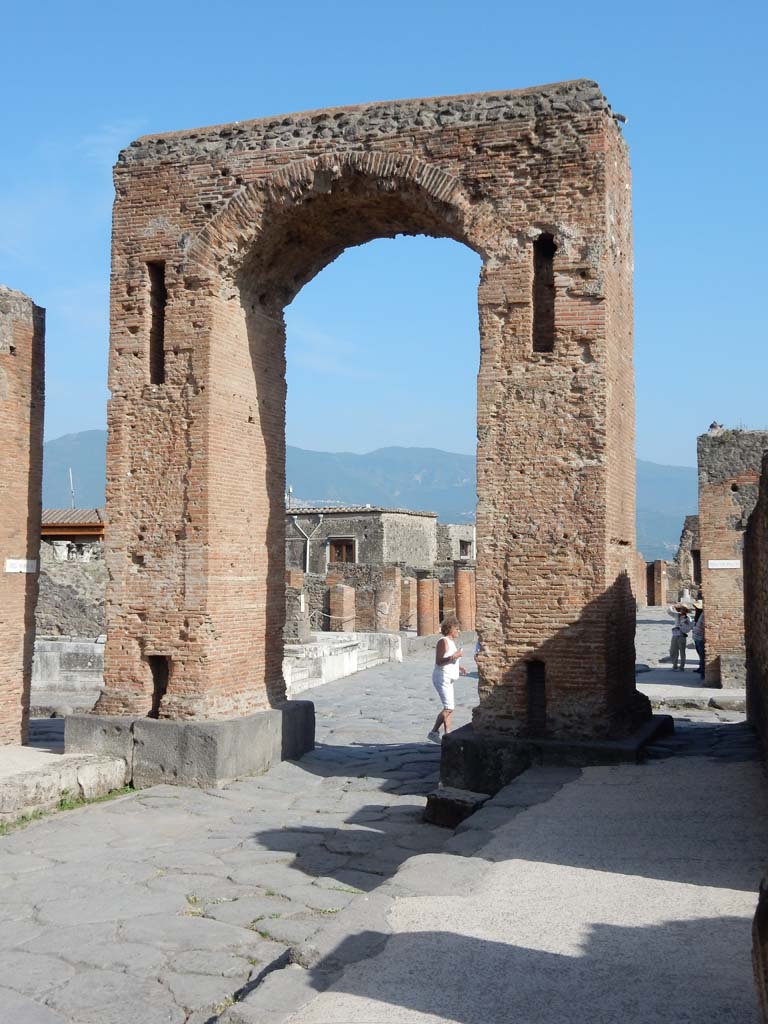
(241, 216)
(224, 239)
(256, 254)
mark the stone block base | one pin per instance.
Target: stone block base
(196, 753)
(485, 762)
(448, 806)
(733, 671)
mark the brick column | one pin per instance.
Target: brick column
(22, 333)
(464, 582)
(408, 603)
(428, 606)
(659, 582)
(342, 608)
(387, 609)
(640, 584)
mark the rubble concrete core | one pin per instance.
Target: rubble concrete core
(215, 231)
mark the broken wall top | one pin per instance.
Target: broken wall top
(728, 454)
(365, 123)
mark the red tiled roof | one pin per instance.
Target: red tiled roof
(72, 516)
(303, 510)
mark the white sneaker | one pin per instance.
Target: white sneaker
(434, 737)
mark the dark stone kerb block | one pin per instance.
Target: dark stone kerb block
(111, 736)
(197, 753)
(448, 807)
(486, 762)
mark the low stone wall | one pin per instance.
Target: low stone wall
(335, 656)
(67, 672)
(67, 664)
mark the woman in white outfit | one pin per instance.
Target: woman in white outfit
(445, 673)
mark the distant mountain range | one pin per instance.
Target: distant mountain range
(415, 478)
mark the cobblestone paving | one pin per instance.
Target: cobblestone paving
(241, 905)
(161, 906)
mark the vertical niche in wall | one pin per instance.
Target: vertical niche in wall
(158, 298)
(544, 249)
(536, 698)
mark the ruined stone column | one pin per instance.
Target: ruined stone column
(464, 583)
(659, 582)
(342, 608)
(22, 340)
(408, 603)
(449, 599)
(639, 583)
(387, 606)
(297, 628)
(428, 606)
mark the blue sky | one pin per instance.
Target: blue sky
(80, 80)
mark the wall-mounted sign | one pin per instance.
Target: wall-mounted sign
(20, 565)
(724, 563)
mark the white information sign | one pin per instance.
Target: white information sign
(20, 565)
(724, 563)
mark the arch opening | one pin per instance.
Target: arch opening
(294, 244)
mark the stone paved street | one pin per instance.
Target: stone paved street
(315, 894)
(163, 904)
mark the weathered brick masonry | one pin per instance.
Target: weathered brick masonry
(22, 338)
(756, 609)
(216, 230)
(729, 474)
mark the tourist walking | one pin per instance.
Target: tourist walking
(698, 634)
(680, 631)
(445, 673)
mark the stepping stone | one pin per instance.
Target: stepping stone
(448, 806)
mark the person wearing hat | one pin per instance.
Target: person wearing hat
(698, 634)
(680, 631)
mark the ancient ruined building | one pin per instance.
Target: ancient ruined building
(215, 232)
(22, 334)
(729, 475)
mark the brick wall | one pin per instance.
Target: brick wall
(756, 610)
(729, 473)
(243, 215)
(22, 338)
